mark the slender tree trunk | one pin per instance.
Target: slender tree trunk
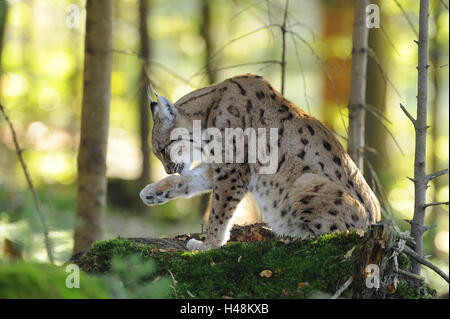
(94, 124)
(420, 126)
(376, 136)
(435, 57)
(3, 15)
(144, 116)
(357, 100)
(206, 32)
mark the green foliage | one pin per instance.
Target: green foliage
(135, 272)
(32, 280)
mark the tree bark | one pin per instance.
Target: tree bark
(358, 85)
(144, 116)
(420, 126)
(94, 124)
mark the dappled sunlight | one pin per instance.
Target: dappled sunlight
(123, 159)
(41, 88)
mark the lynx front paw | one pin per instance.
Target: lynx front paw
(194, 244)
(151, 196)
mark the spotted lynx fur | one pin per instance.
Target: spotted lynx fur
(316, 189)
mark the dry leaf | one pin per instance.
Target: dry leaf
(392, 288)
(266, 273)
(284, 292)
(301, 284)
(360, 232)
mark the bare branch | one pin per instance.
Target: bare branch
(389, 39)
(379, 117)
(411, 253)
(343, 287)
(30, 185)
(218, 51)
(411, 118)
(436, 204)
(407, 18)
(244, 64)
(322, 64)
(410, 274)
(437, 174)
(302, 74)
(386, 78)
(145, 63)
(428, 228)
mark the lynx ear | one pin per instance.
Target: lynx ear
(164, 109)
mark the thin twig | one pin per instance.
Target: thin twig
(302, 74)
(409, 274)
(222, 48)
(426, 228)
(244, 64)
(343, 287)
(30, 185)
(283, 47)
(322, 64)
(411, 118)
(437, 174)
(436, 204)
(407, 18)
(145, 63)
(408, 251)
(386, 78)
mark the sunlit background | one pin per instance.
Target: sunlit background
(41, 89)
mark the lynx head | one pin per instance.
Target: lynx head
(164, 121)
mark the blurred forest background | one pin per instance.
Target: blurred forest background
(191, 44)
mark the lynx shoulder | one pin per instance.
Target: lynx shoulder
(314, 188)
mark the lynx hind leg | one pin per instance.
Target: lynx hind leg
(321, 206)
(191, 183)
(230, 184)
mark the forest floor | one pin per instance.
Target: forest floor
(254, 264)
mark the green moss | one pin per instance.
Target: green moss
(404, 291)
(318, 265)
(32, 280)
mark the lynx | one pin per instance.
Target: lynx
(316, 188)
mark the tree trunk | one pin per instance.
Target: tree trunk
(94, 124)
(144, 116)
(206, 33)
(435, 58)
(3, 15)
(420, 126)
(376, 136)
(356, 111)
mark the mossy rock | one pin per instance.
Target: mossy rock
(34, 280)
(275, 268)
